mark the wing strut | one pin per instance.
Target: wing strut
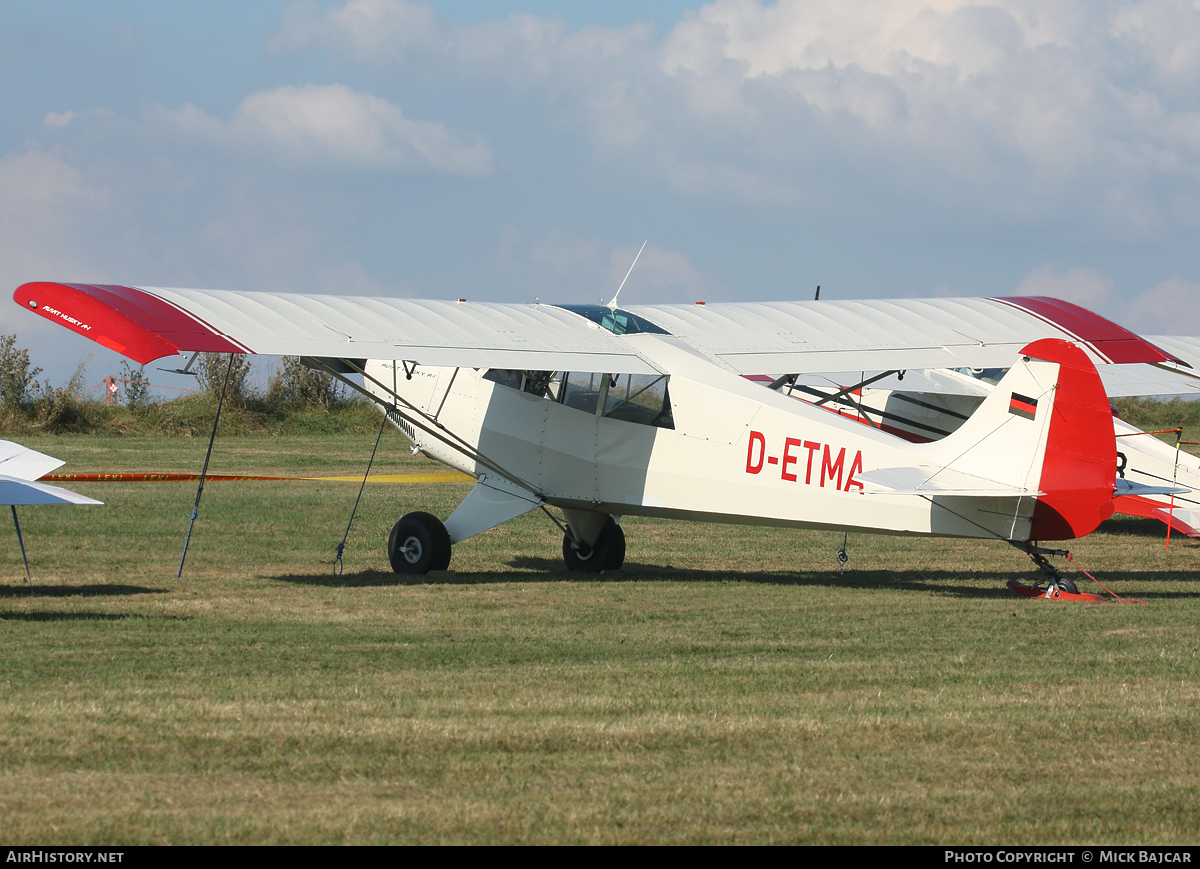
(446, 395)
(849, 389)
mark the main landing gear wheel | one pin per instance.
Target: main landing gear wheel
(607, 553)
(418, 544)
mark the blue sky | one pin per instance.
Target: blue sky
(512, 151)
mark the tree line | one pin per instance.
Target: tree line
(295, 397)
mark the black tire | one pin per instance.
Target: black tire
(418, 544)
(608, 552)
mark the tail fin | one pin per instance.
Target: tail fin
(1046, 428)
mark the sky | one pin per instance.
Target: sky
(512, 151)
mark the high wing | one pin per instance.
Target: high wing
(1179, 377)
(149, 323)
(881, 335)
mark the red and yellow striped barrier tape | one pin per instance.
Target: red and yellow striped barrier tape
(435, 477)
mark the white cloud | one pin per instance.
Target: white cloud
(50, 216)
(44, 199)
(967, 37)
(562, 266)
(374, 29)
(1171, 308)
(1018, 108)
(1087, 288)
(37, 179)
(334, 124)
(659, 276)
(58, 119)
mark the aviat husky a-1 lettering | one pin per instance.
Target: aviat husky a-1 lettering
(604, 412)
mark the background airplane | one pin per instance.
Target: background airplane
(20, 467)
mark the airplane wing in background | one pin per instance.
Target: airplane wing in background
(20, 467)
(20, 493)
(23, 463)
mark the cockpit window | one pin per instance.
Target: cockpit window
(615, 320)
(638, 398)
(544, 384)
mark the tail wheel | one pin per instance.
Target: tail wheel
(418, 544)
(607, 553)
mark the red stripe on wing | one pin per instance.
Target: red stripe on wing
(1115, 343)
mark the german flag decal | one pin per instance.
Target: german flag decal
(1022, 405)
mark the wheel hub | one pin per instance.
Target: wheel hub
(412, 550)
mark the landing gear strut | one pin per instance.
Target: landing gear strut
(607, 553)
(1057, 580)
(418, 544)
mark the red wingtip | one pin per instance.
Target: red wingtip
(1110, 341)
(130, 321)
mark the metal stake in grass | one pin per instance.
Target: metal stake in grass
(204, 472)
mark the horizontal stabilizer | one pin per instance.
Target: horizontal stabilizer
(1184, 521)
(932, 480)
(1128, 487)
(19, 493)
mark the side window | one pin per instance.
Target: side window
(544, 384)
(581, 390)
(639, 398)
(505, 377)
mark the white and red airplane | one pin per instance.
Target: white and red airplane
(604, 412)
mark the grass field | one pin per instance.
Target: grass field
(728, 686)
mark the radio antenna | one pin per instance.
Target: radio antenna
(613, 304)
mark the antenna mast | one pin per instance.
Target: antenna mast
(613, 304)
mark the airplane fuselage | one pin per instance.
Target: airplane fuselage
(735, 453)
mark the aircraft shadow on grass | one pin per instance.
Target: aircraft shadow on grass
(81, 617)
(942, 582)
(1128, 526)
(23, 590)
(63, 617)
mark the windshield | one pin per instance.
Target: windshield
(615, 320)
